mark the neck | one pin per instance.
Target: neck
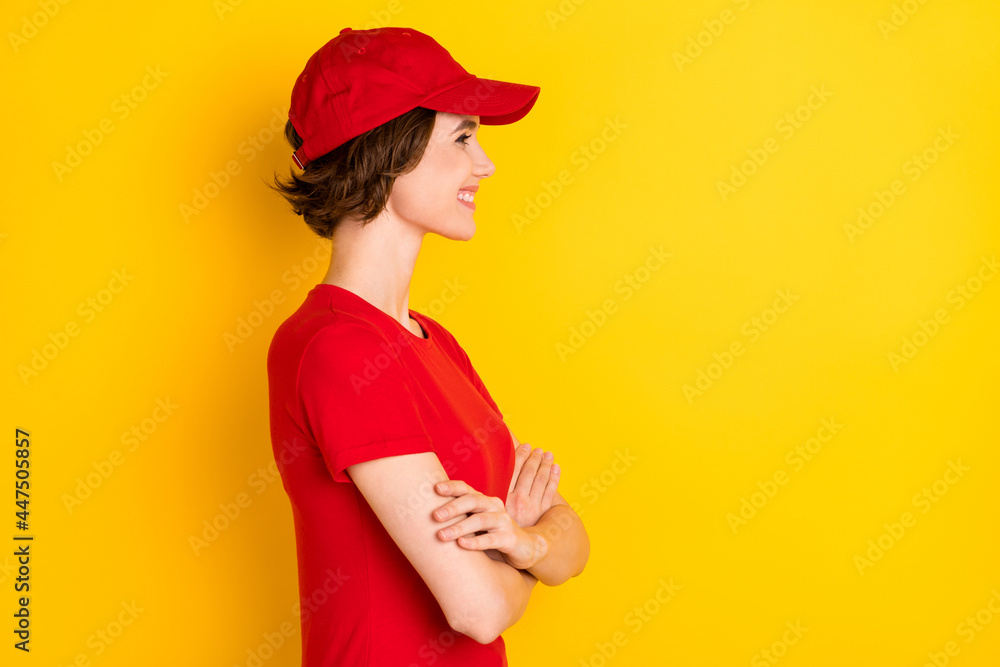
(376, 262)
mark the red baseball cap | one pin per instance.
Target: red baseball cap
(361, 79)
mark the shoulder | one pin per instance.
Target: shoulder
(349, 338)
(349, 357)
(309, 339)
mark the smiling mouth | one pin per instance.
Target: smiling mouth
(466, 198)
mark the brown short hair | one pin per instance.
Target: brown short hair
(355, 178)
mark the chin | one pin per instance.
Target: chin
(461, 232)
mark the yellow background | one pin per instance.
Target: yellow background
(682, 128)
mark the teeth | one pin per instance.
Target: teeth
(466, 196)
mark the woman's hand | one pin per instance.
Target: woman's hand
(533, 485)
(488, 526)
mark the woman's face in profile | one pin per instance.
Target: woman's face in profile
(431, 196)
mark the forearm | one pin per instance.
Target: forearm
(520, 584)
(513, 590)
(567, 545)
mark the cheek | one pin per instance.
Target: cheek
(433, 185)
(449, 163)
(404, 200)
(440, 185)
(417, 196)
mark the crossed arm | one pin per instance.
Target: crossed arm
(567, 545)
(535, 530)
(481, 597)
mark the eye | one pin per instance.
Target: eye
(462, 139)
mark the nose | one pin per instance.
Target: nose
(484, 167)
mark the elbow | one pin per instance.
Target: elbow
(580, 560)
(483, 616)
(586, 554)
(486, 635)
(476, 625)
(485, 612)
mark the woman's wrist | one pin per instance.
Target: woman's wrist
(531, 547)
(541, 544)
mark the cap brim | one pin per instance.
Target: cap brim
(495, 102)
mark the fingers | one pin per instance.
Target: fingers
(463, 505)
(453, 487)
(550, 488)
(468, 500)
(479, 542)
(528, 470)
(520, 456)
(464, 530)
(542, 477)
(520, 552)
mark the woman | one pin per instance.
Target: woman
(421, 524)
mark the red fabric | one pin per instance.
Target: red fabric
(349, 383)
(361, 79)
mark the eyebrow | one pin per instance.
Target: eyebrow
(465, 125)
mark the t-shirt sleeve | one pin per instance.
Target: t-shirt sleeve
(357, 399)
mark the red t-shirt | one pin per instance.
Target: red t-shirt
(349, 383)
